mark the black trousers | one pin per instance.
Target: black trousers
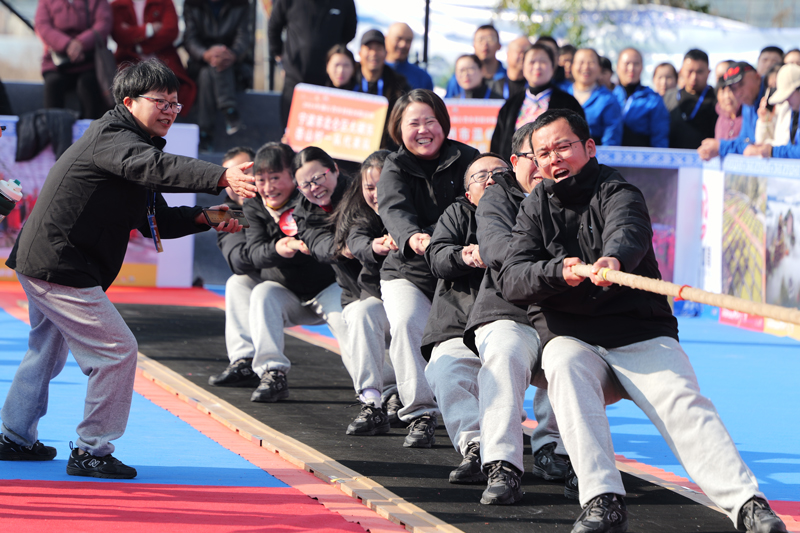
(57, 84)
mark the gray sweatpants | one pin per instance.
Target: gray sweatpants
(407, 309)
(368, 332)
(452, 374)
(84, 322)
(238, 340)
(274, 307)
(657, 375)
(510, 353)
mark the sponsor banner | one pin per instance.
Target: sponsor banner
(346, 124)
(741, 320)
(472, 122)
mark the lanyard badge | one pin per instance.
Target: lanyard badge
(151, 220)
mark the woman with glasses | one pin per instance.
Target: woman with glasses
(417, 184)
(540, 95)
(361, 340)
(72, 248)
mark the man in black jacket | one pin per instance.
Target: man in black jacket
(312, 28)
(509, 348)
(219, 40)
(603, 342)
(452, 371)
(72, 248)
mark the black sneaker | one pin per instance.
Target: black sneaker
(571, 483)
(232, 121)
(88, 465)
(393, 406)
(469, 471)
(273, 387)
(370, 421)
(548, 465)
(238, 374)
(606, 513)
(421, 432)
(11, 451)
(757, 517)
(505, 486)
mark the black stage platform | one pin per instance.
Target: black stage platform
(190, 341)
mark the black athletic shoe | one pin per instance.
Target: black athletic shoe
(571, 484)
(393, 406)
(11, 451)
(606, 513)
(238, 374)
(757, 517)
(273, 387)
(421, 432)
(469, 471)
(88, 465)
(548, 465)
(504, 486)
(370, 421)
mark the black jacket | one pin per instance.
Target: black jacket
(685, 131)
(96, 193)
(301, 274)
(496, 215)
(593, 214)
(410, 202)
(393, 86)
(234, 248)
(507, 117)
(315, 229)
(232, 28)
(458, 283)
(312, 28)
(359, 241)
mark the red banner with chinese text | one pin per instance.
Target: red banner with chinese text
(472, 122)
(346, 124)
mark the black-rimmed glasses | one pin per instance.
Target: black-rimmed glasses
(163, 105)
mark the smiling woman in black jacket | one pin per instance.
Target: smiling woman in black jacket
(417, 184)
(71, 249)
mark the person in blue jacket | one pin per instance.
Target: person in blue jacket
(603, 112)
(645, 119)
(398, 45)
(486, 42)
(745, 83)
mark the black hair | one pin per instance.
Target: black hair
(576, 122)
(422, 96)
(665, 64)
(477, 158)
(520, 136)
(567, 49)
(233, 152)
(548, 38)
(790, 51)
(473, 57)
(489, 27)
(133, 80)
(339, 49)
(311, 154)
(273, 157)
(773, 49)
(353, 210)
(696, 55)
(592, 50)
(605, 64)
(544, 48)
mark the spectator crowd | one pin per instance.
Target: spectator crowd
(445, 274)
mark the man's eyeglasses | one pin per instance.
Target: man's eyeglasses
(562, 150)
(317, 180)
(484, 175)
(163, 105)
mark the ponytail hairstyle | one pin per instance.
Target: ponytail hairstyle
(353, 210)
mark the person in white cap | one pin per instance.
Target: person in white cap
(785, 141)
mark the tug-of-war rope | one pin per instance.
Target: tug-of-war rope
(685, 292)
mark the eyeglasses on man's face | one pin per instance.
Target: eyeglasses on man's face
(564, 150)
(163, 105)
(317, 180)
(484, 175)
